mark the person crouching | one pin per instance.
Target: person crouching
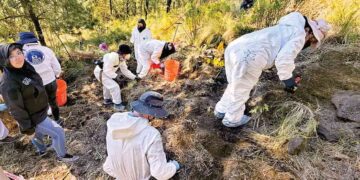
(106, 74)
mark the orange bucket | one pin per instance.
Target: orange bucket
(172, 68)
(61, 95)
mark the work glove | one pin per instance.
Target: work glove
(177, 165)
(290, 85)
(29, 131)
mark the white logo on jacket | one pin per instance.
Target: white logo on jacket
(26, 81)
(35, 57)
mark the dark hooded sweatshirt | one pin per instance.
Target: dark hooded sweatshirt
(23, 92)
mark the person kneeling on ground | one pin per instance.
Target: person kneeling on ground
(134, 148)
(105, 72)
(151, 52)
(25, 95)
(4, 132)
(247, 56)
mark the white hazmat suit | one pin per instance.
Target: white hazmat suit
(249, 55)
(138, 38)
(135, 150)
(150, 53)
(43, 60)
(4, 132)
(111, 89)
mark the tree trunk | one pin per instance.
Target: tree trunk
(146, 8)
(111, 7)
(168, 6)
(28, 7)
(127, 8)
(134, 9)
(141, 6)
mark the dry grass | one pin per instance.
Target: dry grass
(297, 120)
(189, 150)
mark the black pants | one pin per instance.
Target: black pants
(51, 92)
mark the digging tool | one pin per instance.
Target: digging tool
(177, 27)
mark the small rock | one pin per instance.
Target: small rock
(347, 104)
(326, 134)
(296, 145)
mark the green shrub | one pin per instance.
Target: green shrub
(344, 17)
(72, 69)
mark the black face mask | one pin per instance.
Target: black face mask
(140, 29)
(306, 45)
(141, 21)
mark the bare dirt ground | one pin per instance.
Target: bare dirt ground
(192, 135)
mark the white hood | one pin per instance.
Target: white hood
(135, 149)
(124, 125)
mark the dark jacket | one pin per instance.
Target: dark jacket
(25, 95)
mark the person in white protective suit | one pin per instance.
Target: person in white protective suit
(134, 147)
(106, 73)
(249, 55)
(139, 35)
(151, 52)
(4, 132)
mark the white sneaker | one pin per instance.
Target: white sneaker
(244, 119)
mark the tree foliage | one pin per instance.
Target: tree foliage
(36, 16)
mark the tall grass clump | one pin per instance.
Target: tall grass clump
(267, 12)
(72, 69)
(344, 16)
(297, 120)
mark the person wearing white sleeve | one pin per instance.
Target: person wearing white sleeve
(46, 64)
(4, 132)
(106, 73)
(134, 147)
(151, 52)
(247, 56)
(139, 35)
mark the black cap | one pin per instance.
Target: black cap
(124, 49)
(142, 21)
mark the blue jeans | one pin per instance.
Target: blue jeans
(55, 131)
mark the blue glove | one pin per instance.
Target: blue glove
(290, 85)
(177, 165)
(3, 107)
